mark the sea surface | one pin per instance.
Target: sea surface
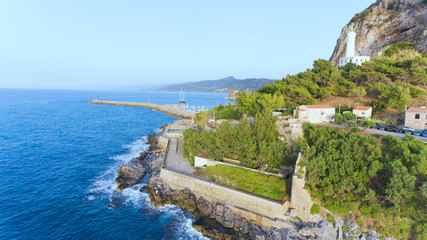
(59, 156)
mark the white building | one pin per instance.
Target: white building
(316, 113)
(349, 51)
(363, 112)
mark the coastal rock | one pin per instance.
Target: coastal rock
(233, 96)
(204, 208)
(257, 233)
(325, 230)
(131, 173)
(241, 225)
(117, 199)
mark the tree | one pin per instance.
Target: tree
(338, 118)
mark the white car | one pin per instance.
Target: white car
(408, 128)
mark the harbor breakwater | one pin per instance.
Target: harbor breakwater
(170, 109)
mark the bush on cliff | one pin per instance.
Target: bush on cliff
(254, 146)
(380, 176)
(393, 80)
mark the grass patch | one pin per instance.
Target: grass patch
(330, 218)
(315, 209)
(257, 183)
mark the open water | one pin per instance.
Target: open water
(59, 156)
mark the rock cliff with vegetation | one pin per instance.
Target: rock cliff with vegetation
(384, 23)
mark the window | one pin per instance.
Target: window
(417, 116)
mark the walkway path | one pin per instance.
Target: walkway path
(175, 160)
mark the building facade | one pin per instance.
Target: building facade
(350, 51)
(316, 113)
(363, 112)
(416, 118)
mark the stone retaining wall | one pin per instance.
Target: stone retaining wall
(262, 211)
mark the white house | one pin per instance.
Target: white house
(416, 118)
(349, 51)
(363, 112)
(316, 113)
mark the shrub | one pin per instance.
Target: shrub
(315, 209)
(330, 218)
(338, 118)
(365, 210)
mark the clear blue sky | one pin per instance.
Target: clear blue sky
(82, 44)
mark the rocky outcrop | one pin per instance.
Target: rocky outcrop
(132, 172)
(383, 23)
(233, 96)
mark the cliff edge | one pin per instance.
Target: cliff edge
(383, 23)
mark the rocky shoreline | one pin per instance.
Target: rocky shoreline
(216, 220)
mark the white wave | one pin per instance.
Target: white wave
(104, 186)
(183, 228)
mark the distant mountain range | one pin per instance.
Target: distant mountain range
(224, 85)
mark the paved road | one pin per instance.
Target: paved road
(174, 158)
(382, 132)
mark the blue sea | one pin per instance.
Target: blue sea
(59, 156)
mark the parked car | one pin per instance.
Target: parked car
(382, 127)
(418, 133)
(408, 132)
(391, 128)
(408, 128)
(400, 130)
(424, 133)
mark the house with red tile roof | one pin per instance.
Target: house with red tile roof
(316, 113)
(416, 117)
(363, 112)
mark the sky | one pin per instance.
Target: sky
(138, 44)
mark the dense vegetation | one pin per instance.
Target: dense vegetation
(257, 183)
(254, 146)
(382, 179)
(392, 81)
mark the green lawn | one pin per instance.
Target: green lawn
(260, 184)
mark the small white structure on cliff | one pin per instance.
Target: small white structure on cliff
(316, 113)
(349, 51)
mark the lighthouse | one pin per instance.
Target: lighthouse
(351, 43)
(350, 56)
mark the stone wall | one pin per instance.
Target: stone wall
(260, 210)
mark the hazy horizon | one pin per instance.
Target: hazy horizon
(142, 45)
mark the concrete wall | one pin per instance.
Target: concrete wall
(260, 210)
(163, 142)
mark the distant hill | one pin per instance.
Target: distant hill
(224, 85)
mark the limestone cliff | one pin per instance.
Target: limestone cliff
(383, 23)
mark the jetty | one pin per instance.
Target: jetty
(169, 109)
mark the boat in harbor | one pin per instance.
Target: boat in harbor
(181, 97)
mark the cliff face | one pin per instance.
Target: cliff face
(385, 22)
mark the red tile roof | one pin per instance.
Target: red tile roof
(362, 108)
(417, 109)
(318, 106)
